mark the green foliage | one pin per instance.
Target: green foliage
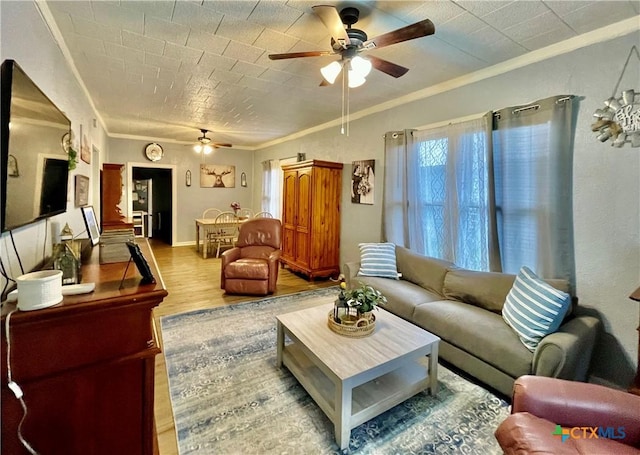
(73, 158)
(364, 298)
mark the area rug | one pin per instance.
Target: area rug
(228, 397)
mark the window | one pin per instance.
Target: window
(451, 186)
(456, 207)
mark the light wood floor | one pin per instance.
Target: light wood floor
(194, 283)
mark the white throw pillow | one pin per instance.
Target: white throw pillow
(378, 259)
(534, 308)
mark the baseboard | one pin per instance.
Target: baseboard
(189, 243)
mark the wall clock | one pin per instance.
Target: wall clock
(153, 152)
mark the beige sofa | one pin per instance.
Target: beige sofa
(463, 308)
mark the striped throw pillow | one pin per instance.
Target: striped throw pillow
(378, 259)
(534, 308)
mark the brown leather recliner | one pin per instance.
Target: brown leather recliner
(595, 419)
(251, 267)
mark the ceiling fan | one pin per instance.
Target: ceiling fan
(349, 42)
(205, 145)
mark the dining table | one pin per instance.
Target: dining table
(209, 224)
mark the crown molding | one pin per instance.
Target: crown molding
(47, 16)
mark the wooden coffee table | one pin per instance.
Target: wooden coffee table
(356, 379)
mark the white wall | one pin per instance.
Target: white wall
(606, 181)
(193, 200)
(25, 38)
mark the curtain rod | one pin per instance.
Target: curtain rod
(451, 122)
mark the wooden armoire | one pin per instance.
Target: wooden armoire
(311, 217)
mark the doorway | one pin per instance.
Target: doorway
(162, 213)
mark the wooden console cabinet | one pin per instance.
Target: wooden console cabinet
(311, 217)
(86, 367)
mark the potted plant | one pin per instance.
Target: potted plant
(364, 298)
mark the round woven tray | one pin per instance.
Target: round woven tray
(363, 327)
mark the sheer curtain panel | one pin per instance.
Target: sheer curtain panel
(450, 182)
(271, 176)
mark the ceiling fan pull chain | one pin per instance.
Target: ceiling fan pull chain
(342, 115)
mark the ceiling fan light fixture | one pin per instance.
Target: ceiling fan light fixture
(361, 66)
(331, 71)
(197, 148)
(355, 79)
(207, 149)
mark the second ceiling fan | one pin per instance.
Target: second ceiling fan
(205, 146)
(350, 42)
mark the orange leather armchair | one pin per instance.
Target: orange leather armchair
(251, 267)
(541, 403)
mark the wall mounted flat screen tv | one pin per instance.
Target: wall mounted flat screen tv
(35, 168)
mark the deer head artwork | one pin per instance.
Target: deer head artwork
(217, 176)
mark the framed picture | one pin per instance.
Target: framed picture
(82, 190)
(363, 181)
(141, 263)
(217, 176)
(91, 224)
(85, 148)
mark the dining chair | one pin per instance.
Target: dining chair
(209, 233)
(263, 215)
(226, 230)
(211, 213)
(245, 213)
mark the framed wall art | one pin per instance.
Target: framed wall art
(362, 181)
(82, 190)
(217, 176)
(85, 148)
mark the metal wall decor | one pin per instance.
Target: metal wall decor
(243, 179)
(187, 178)
(12, 167)
(619, 120)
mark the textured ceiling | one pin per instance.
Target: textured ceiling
(164, 69)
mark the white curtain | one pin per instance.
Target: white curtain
(271, 177)
(450, 184)
(533, 153)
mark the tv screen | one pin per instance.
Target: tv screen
(35, 168)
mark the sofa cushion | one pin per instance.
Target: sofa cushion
(477, 331)
(424, 271)
(534, 308)
(487, 290)
(378, 259)
(402, 296)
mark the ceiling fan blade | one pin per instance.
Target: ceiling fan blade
(417, 30)
(299, 54)
(387, 67)
(220, 144)
(331, 19)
